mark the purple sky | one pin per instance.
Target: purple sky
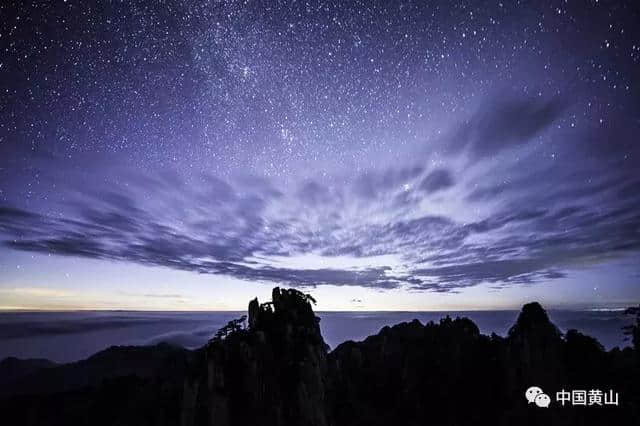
(191, 155)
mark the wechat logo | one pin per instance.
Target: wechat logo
(535, 395)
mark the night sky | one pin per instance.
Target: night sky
(381, 155)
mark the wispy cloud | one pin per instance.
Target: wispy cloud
(451, 225)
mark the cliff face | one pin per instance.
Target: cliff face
(273, 368)
(417, 371)
(271, 373)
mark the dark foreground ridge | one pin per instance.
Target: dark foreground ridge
(273, 368)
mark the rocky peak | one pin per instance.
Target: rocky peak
(274, 370)
(270, 371)
(286, 306)
(535, 349)
(533, 322)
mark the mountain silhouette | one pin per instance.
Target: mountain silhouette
(273, 367)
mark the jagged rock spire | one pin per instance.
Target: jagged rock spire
(533, 321)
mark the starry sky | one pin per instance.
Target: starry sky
(381, 155)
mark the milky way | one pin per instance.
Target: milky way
(386, 145)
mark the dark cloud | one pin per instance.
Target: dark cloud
(314, 194)
(437, 180)
(511, 271)
(505, 122)
(9, 213)
(30, 329)
(235, 229)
